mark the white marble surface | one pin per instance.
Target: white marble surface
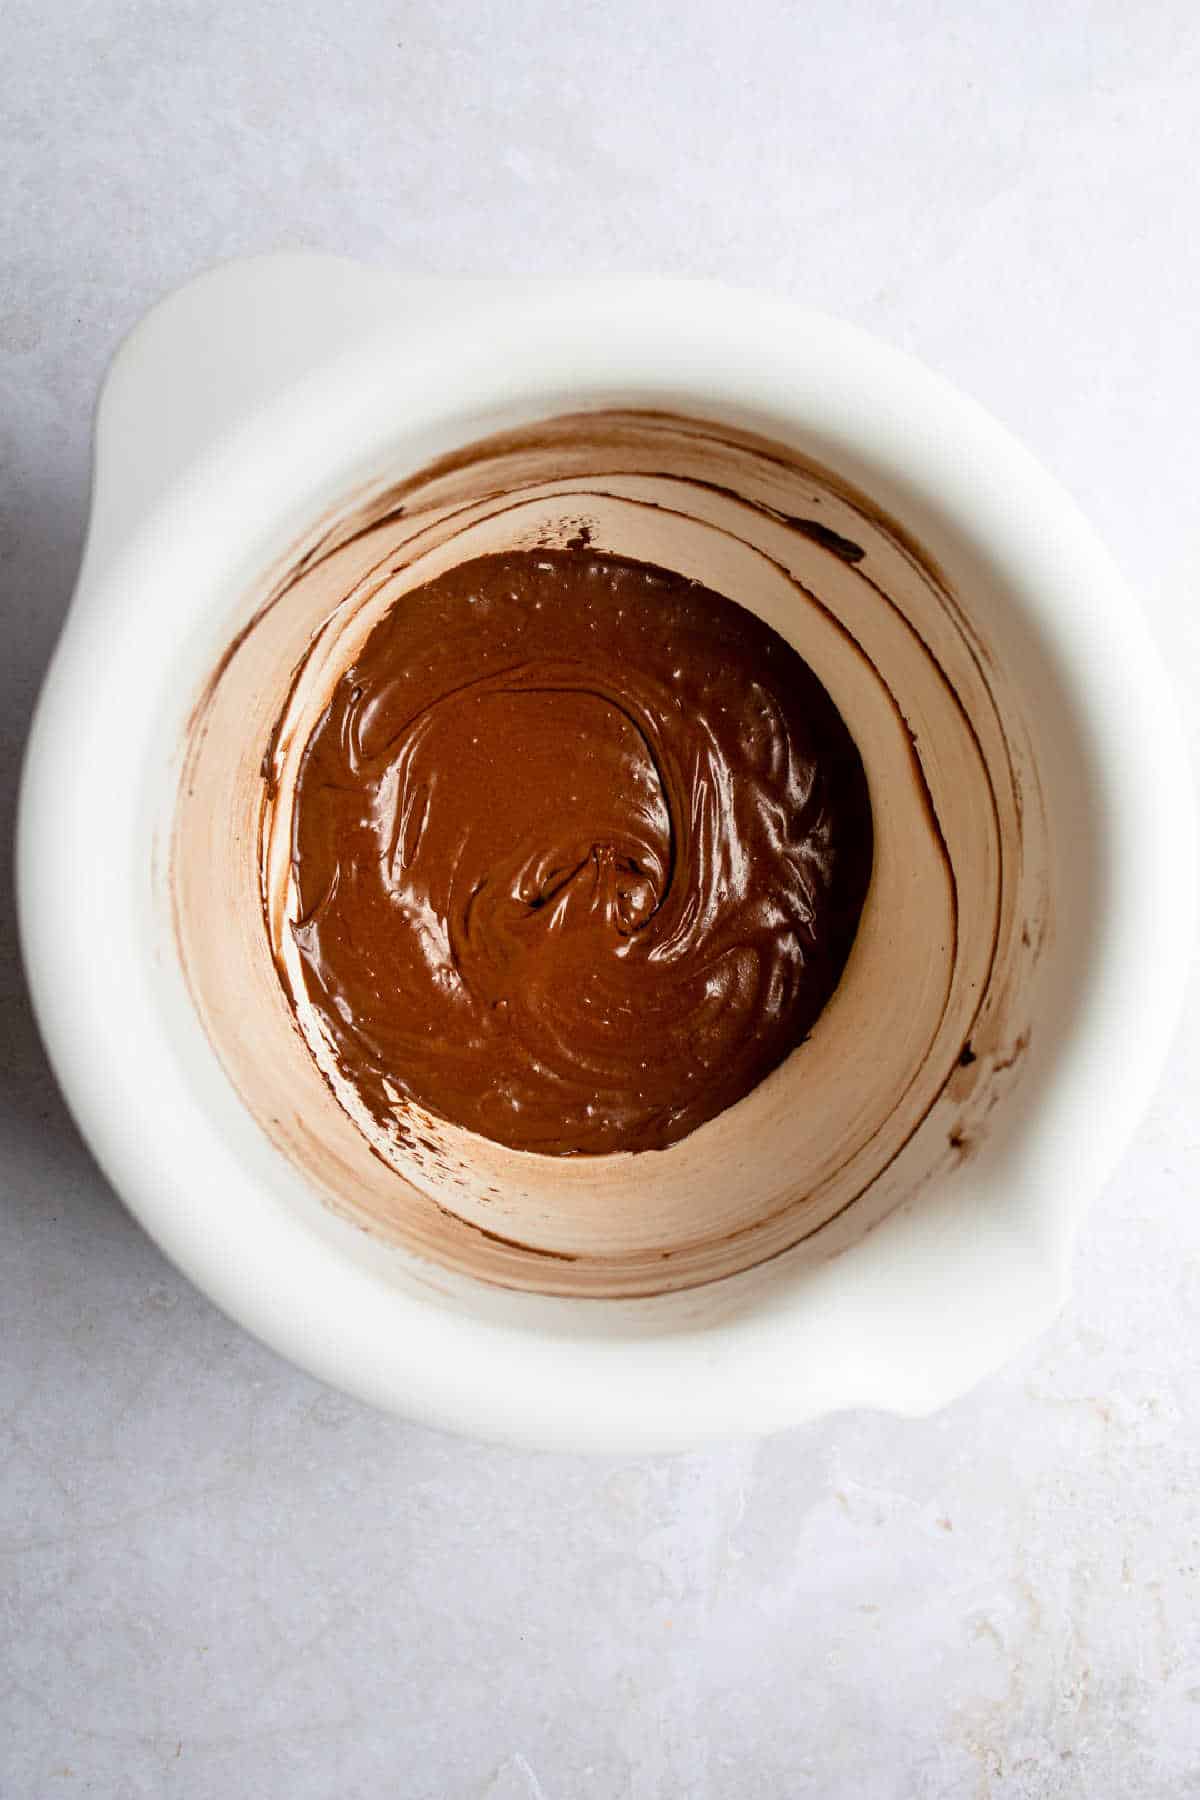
(218, 1579)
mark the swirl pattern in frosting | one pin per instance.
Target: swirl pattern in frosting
(579, 848)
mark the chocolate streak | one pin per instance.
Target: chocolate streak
(580, 848)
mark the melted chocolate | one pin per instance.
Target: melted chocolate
(580, 850)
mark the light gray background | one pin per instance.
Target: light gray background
(220, 1580)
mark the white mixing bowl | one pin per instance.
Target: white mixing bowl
(273, 394)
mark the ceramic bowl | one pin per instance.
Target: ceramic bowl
(890, 1214)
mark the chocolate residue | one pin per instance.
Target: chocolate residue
(580, 849)
(828, 539)
(845, 1130)
(1013, 1057)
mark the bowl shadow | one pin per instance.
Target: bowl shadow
(41, 1150)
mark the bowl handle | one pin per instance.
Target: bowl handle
(215, 351)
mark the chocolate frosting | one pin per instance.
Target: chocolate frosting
(580, 849)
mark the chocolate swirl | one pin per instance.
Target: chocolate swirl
(579, 850)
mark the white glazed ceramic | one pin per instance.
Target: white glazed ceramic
(266, 391)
